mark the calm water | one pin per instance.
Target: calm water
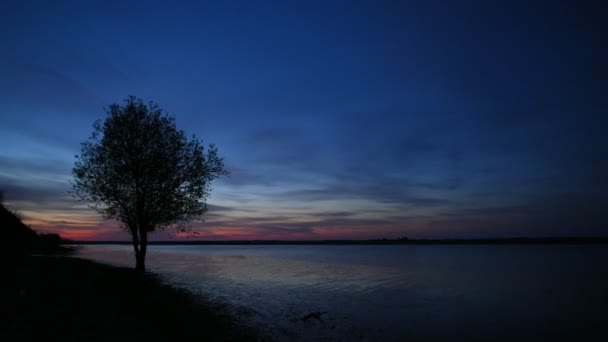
(394, 292)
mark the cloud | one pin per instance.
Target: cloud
(42, 85)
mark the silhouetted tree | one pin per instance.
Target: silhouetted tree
(139, 169)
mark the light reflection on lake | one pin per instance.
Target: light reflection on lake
(394, 292)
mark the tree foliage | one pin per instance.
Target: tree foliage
(140, 170)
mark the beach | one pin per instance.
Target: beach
(58, 298)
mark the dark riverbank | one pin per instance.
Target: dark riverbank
(57, 298)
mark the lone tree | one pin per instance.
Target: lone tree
(140, 170)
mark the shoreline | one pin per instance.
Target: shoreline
(583, 240)
(70, 299)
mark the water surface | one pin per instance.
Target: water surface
(472, 292)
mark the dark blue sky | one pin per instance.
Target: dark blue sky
(340, 120)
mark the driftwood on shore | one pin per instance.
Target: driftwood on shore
(315, 314)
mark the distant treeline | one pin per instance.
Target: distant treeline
(401, 241)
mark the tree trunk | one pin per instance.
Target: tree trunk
(140, 261)
(143, 247)
(138, 247)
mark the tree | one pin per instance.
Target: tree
(140, 170)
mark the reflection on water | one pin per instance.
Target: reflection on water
(394, 292)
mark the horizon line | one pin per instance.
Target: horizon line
(402, 241)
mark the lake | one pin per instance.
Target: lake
(393, 293)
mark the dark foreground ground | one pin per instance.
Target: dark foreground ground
(66, 299)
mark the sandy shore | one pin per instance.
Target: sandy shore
(68, 299)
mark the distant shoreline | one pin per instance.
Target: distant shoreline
(404, 241)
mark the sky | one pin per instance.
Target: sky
(337, 120)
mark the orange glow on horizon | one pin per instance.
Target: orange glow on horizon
(90, 228)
